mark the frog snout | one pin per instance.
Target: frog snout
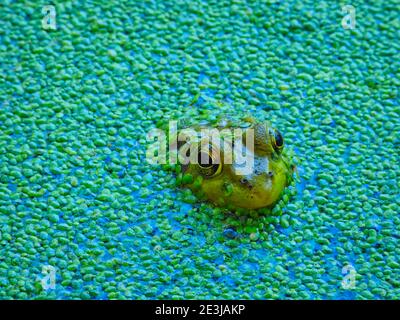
(246, 182)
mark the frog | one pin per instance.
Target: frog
(224, 183)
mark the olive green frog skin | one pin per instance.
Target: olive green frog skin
(262, 187)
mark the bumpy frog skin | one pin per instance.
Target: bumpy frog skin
(261, 188)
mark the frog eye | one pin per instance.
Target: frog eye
(277, 140)
(208, 165)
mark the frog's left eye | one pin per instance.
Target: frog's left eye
(209, 167)
(277, 140)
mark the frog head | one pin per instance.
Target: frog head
(225, 179)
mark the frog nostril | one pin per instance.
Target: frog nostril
(270, 174)
(246, 182)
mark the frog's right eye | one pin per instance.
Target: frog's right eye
(277, 140)
(208, 165)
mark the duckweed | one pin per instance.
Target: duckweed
(77, 194)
